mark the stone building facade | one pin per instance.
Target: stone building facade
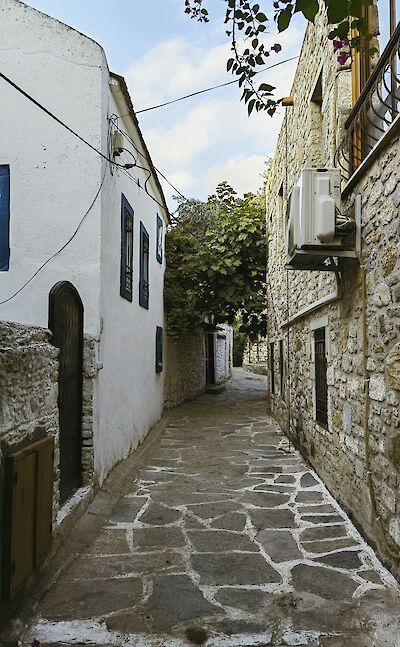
(28, 400)
(356, 449)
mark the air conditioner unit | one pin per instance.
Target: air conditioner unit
(312, 209)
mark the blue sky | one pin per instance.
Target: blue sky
(163, 54)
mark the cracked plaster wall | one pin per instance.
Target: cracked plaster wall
(338, 453)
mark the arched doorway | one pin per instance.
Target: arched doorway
(66, 324)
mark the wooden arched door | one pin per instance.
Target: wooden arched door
(66, 324)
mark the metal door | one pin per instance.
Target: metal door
(66, 324)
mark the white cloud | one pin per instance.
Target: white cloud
(242, 173)
(199, 142)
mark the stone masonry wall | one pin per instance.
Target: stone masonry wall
(28, 394)
(338, 451)
(88, 403)
(185, 376)
(256, 352)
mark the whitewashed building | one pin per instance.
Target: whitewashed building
(82, 237)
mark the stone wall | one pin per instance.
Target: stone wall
(338, 450)
(185, 376)
(28, 394)
(88, 404)
(256, 352)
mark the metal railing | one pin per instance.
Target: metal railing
(374, 112)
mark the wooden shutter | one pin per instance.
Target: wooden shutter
(28, 512)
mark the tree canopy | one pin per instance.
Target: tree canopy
(216, 263)
(247, 22)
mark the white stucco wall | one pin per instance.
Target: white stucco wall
(53, 176)
(130, 391)
(54, 179)
(223, 353)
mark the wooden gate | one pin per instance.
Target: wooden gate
(28, 509)
(66, 324)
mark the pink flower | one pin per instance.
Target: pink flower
(345, 42)
(276, 48)
(342, 58)
(187, 10)
(337, 44)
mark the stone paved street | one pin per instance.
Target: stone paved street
(226, 539)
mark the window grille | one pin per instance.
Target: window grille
(126, 277)
(159, 349)
(144, 268)
(159, 239)
(321, 387)
(281, 369)
(272, 367)
(4, 217)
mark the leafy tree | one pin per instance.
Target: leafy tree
(217, 269)
(247, 21)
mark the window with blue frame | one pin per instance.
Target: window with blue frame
(4, 217)
(159, 349)
(144, 267)
(126, 277)
(159, 239)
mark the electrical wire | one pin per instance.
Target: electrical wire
(61, 248)
(213, 87)
(144, 156)
(57, 119)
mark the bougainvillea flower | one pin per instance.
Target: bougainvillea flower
(337, 44)
(35, 643)
(342, 58)
(277, 48)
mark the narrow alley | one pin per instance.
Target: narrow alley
(225, 538)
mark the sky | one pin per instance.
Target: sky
(163, 54)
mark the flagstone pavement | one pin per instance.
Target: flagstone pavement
(226, 539)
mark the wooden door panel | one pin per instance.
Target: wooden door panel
(23, 521)
(44, 500)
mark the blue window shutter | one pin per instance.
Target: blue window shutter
(159, 239)
(4, 218)
(144, 268)
(126, 270)
(159, 349)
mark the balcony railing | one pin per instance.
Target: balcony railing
(374, 112)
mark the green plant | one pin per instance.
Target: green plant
(216, 269)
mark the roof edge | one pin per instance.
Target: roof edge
(120, 79)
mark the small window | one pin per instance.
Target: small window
(159, 239)
(159, 349)
(144, 268)
(272, 367)
(281, 369)
(126, 249)
(4, 218)
(321, 387)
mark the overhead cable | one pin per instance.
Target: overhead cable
(213, 87)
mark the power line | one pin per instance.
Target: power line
(144, 156)
(73, 132)
(213, 87)
(57, 119)
(61, 248)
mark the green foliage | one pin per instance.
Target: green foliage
(246, 23)
(217, 270)
(239, 346)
